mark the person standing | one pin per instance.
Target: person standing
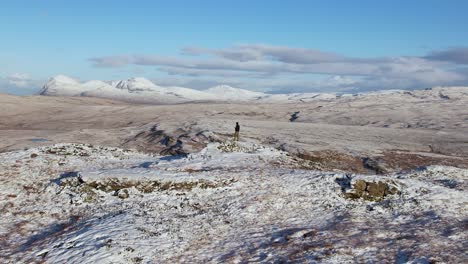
(236, 132)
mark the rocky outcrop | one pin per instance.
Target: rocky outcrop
(370, 190)
(88, 190)
(171, 142)
(235, 146)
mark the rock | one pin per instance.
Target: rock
(122, 194)
(391, 190)
(376, 189)
(360, 186)
(371, 191)
(34, 155)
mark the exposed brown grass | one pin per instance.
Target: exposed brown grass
(399, 161)
(388, 162)
(331, 160)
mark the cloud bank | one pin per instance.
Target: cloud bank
(458, 55)
(19, 84)
(279, 68)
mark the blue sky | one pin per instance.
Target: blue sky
(271, 45)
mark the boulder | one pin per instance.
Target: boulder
(360, 186)
(371, 191)
(376, 189)
(123, 194)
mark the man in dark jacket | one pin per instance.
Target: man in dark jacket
(236, 132)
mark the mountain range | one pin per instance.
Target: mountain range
(141, 90)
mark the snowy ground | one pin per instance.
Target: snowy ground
(70, 203)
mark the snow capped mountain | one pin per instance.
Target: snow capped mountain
(62, 85)
(141, 90)
(227, 92)
(136, 84)
(95, 85)
(133, 90)
(191, 94)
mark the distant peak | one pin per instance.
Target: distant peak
(228, 92)
(60, 85)
(63, 79)
(135, 82)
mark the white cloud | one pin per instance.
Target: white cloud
(20, 84)
(253, 63)
(19, 79)
(112, 61)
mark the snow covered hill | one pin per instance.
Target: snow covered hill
(62, 85)
(141, 90)
(231, 202)
(226, 92)
(138, 90)
(135, 85)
